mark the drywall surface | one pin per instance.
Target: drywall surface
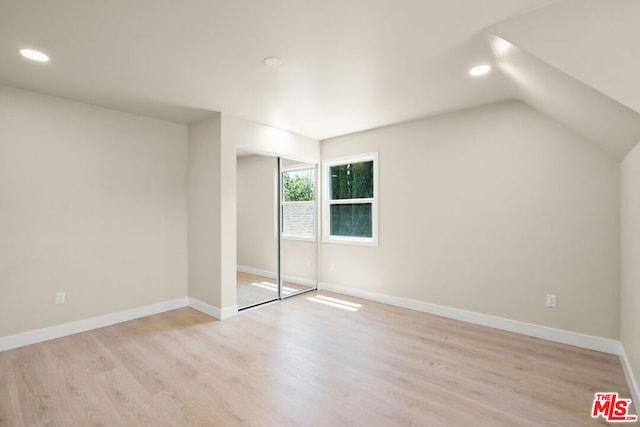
(93, 203)
(630, 232)
(205, 210)
(268, 140)
(489, 210)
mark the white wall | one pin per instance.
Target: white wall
(266, 139)
(488, 210)
(204, 189)
(92, 202)
(630, 231)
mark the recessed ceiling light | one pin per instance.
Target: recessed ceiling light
(34, 55)
(272, 62)
(480, 70)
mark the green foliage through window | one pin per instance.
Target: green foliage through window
(298, 209)
(298, 186)
(351, 220)
(352, 181)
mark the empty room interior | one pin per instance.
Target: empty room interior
(283, 212)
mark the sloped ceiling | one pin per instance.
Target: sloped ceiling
(577, 62)
(594, 41)
(347, 65)
(600, 119)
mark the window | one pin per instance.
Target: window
(298, 203)
(350, 202)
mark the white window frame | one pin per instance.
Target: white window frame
(326, 202)
(314, 202)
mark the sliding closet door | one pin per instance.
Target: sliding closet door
(257, 229)
(299, 231)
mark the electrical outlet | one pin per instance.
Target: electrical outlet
(551, 301)
(332, 267)
(61, 297)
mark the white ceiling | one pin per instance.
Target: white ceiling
(349, 65)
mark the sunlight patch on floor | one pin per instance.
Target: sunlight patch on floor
(335, 302)
(273, 287)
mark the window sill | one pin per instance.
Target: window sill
(302, 239)
(355, 241)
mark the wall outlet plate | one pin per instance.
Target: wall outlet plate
(551, 301)
(61, 297)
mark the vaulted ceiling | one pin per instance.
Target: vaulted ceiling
(347, 65)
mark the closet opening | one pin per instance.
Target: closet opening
(277, 228)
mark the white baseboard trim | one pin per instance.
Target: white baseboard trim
(631, 379)
(274, 276)
(212, 310)
(299, 281)
(58, 331)
(257, 272)
(65, 329)
(566, 337)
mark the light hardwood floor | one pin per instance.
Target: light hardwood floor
(300, 362)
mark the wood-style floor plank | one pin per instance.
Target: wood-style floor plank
(302, 363)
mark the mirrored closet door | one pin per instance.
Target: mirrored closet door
(257, 238)
(299, 217)
(276, 228)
